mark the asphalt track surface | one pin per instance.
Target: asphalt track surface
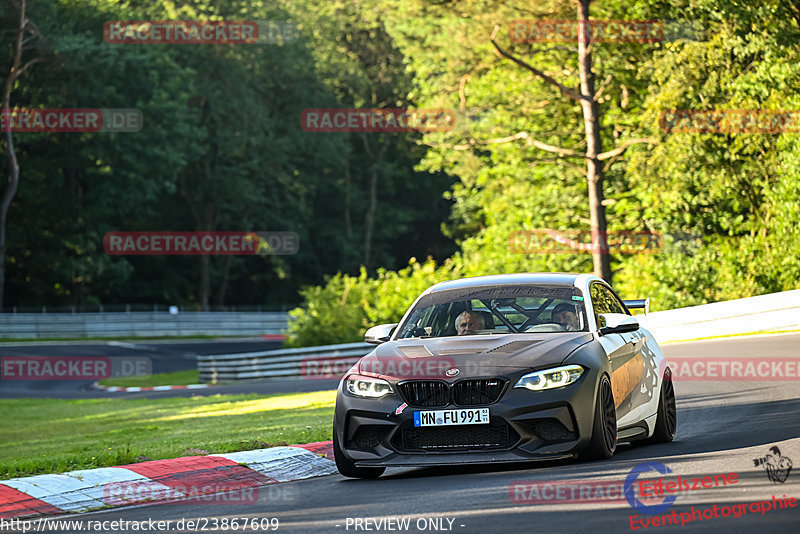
(722, 427)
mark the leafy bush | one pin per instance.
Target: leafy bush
(344, 308)
(686, 273)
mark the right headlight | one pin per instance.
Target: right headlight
(550, 378)
(364, 386)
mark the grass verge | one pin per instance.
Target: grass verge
(178, 378)
(53, 435)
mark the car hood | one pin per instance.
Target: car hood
(472, 356)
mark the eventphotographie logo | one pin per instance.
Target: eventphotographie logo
(694, 515)
(777, 467)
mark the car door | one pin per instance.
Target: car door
(626, 369)
(642, 400)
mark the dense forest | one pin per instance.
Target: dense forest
(221, 149)
(381, 216)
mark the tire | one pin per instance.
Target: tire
(604, 430)
(667, 419)
(348, 468)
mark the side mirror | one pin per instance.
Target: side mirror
(617, 323)
(379, 334)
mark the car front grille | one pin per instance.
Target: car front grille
(433, 393)
(495, 435)
(479, 391)
(426, 393)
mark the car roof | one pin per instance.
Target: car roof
(562, 279)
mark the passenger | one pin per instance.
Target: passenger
(469, 322)
(565, 315)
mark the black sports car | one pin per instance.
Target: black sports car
(504, 369)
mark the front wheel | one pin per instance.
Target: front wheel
(348, 468)
(604, 430)
(667, 420)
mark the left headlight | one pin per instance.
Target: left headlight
(364, 386)
(550, 378)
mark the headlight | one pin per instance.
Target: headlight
(550, 378)
(363, 386)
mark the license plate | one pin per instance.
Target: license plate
(472, 416)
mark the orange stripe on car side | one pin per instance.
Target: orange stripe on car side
(626, 378)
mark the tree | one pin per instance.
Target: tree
(587, 97)
(24, 27)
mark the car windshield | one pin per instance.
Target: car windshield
(496, 310)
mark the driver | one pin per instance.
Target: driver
(469, 323)
(564, 314)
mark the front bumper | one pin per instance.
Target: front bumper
(524, 425)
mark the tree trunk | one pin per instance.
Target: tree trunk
(594, 170)
(372, 206)
(205, 281)
(348, 225)
(223, 286)
(13, 164)
(8, 196)
(369, 217)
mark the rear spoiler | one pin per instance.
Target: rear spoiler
(638, 303)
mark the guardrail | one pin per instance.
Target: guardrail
(310, 362)
(141, 324)
(765, 313)
(775, 312)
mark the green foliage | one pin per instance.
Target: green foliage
(344, 308)
(728, 204)
(221, 149)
